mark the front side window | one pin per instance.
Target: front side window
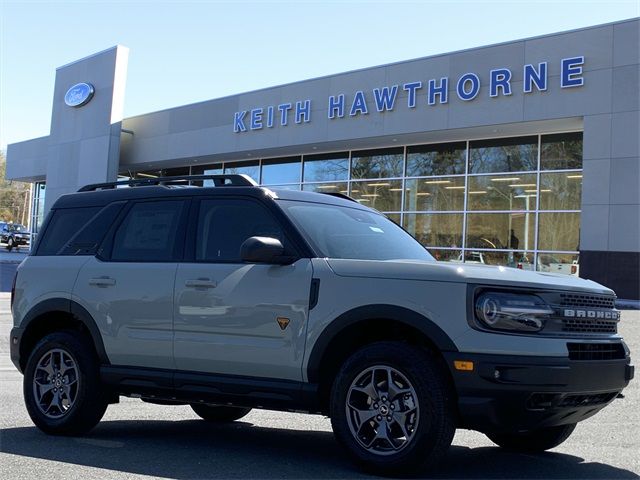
(224, 225)
(342, 232)
(149, 232)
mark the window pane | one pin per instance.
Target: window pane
(502, 192)
(558, 263)
(377, 163)
(224, 225)
(561, 151)
(248, 168)
(148, 233)
(383, 195)
(327, 167)
(559, 231)
(63, 225)
(213, 169)
(281, 170)
(286, 187)
(446, 255)
(560, 191)
(340, 187)
(435, 230)
(520, 260)
(503, 155)
(438, 159)
(500, 230)
(436, 194)
(88, 239)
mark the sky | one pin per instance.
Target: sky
(190, 51)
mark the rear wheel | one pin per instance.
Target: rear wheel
(534, 440)
(390, 409)
(62, 390)
(219, 413)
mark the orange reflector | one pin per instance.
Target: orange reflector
(462, 365)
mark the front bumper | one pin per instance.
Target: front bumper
(505, 393)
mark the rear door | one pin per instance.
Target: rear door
(128, 288)
(237, 318)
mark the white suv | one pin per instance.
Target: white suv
(235, 297)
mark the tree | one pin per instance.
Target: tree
(14, 197)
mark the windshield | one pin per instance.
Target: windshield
(14, 227)
(342, 232)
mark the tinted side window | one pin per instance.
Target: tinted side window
(149, 232)
(87, 240)
(224, 224)
(64, 224)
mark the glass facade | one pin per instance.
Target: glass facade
(506, 201)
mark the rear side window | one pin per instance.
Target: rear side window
(149, 232)
(87, 240)
(64, 224)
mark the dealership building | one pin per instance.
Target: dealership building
(522, 154)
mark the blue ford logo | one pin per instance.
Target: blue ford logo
(79, 94)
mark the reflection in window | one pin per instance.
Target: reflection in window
(566, 263)
(326, 167)
(435, 194)
(437, 159)
(560, 191)
(377, 163)
(281, 170)
(383, 195)
(446, 255)
(513, 259)
(561, 151)
(503, 155)
(248, 168)
(435, 230)
(513, 231)
(286, 187)
(559, 231)
(502, 192)
(334, 187)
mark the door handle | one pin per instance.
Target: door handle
(102, 282)
(201, 283)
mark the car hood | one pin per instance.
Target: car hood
(462, 273)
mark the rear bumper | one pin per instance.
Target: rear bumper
(534, 392)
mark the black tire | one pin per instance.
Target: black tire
(219, 413)
(10, 244)
(89, 398)
(534, 440)
(425, 435)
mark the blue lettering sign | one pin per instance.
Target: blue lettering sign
(500, 78)
(238, 122)
(284, 111)
(359, 104)
(463, 92)
(538, 77)
(256, 119)
(441, 90)
(385, 98)
(571, 72)
(411, 89)
(336, 106)
(270, 113)
(303, 111)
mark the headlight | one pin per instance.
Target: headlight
(512, 311)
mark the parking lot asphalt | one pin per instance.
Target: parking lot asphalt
(138, 440)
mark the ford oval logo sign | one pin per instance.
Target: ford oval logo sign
(79, 94)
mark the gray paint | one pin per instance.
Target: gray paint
(607, 108)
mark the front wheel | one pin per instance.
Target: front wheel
(219, 413)
(534, 440)
(390, 408)
(10, 244)
(62, 389)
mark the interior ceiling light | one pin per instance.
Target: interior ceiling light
(518, 185)
(434, 182)
(505, 179)
(382, 184)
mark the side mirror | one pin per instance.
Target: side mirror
(263, 250)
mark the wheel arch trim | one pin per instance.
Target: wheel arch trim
(402, 315)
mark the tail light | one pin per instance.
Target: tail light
(13, 288)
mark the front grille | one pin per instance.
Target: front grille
(589, 325)
(587, 400)
(595, 351)
(586, 301)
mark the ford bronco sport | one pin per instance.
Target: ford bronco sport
(234, 296)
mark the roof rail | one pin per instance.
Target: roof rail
(231, 180)
(340, 195)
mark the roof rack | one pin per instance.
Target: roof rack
(231, 180)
